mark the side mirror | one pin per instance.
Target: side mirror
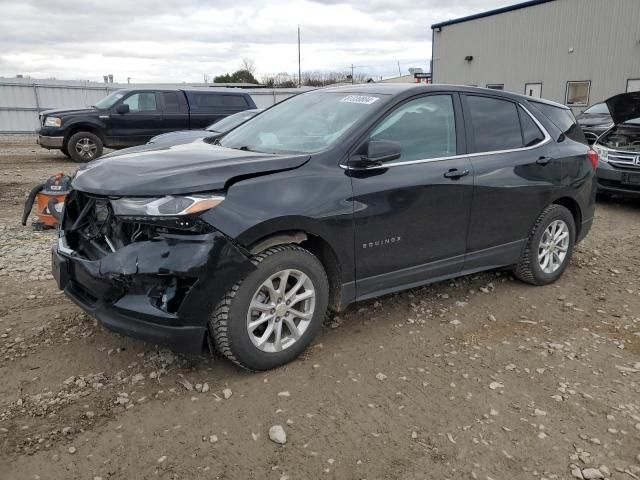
(122, 108)
(377, 152)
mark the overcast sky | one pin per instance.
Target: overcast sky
(181, 40)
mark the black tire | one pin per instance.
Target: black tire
(529, 269)
(228, 323)
(76, 143)
(64, 151)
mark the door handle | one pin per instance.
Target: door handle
(455, 174)
(543, 160)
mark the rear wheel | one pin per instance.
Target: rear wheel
(64, 151)
(84, 146)
(269, 318)
(549, 247)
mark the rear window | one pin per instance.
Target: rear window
(563, 119)
(495, 122)
(207, 100)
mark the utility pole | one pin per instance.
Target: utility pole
(299, 63)
(399, 71)
(352, 79)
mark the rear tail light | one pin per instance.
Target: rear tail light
(593, 157)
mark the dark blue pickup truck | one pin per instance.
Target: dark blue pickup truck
(127, 118)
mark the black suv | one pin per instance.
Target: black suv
(334, 196)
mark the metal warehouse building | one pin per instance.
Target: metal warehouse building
(575, 52)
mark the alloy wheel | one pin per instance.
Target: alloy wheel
(281, 310)
(554, 246)
(86, 148)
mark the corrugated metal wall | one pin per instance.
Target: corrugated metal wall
(533, 45)
(22, 99)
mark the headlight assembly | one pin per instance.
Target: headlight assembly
(167, 206)
(52, 122)
(603, 153)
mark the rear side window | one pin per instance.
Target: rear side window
(531, 133)
(563, 119)
(171, 102)
(495, 122)
(204, 100)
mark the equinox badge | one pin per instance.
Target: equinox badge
(381, 243)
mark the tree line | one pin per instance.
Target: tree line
(246, 74)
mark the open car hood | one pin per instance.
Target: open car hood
(624, 107)
(176, 169)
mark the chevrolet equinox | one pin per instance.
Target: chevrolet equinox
(242, 243)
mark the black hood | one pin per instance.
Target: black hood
(179, 169)
(65, 112)
(624, 107)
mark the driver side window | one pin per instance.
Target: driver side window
(141, 102)
(425, 128)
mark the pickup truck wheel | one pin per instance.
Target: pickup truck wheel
(549, 247)
(64, 151)
(269, 318)
(84, 146)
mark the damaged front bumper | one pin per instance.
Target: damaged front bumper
(161, 290)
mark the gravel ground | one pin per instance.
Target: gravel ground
(478, 378)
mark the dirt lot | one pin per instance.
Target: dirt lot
(479, 378)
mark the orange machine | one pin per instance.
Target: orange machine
(50, 201)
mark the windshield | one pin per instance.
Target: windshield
(598, 109)
(232, 121)
(307, 123)
(109, 100)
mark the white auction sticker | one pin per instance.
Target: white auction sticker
(363, 99)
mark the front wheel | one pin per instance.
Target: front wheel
(269, 318)
(84, 146)
(549, 247)
(64, 151)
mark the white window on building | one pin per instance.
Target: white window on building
(533, 90)
(578, 93)
(633, 85)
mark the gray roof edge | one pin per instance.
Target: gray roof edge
(491, 13)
